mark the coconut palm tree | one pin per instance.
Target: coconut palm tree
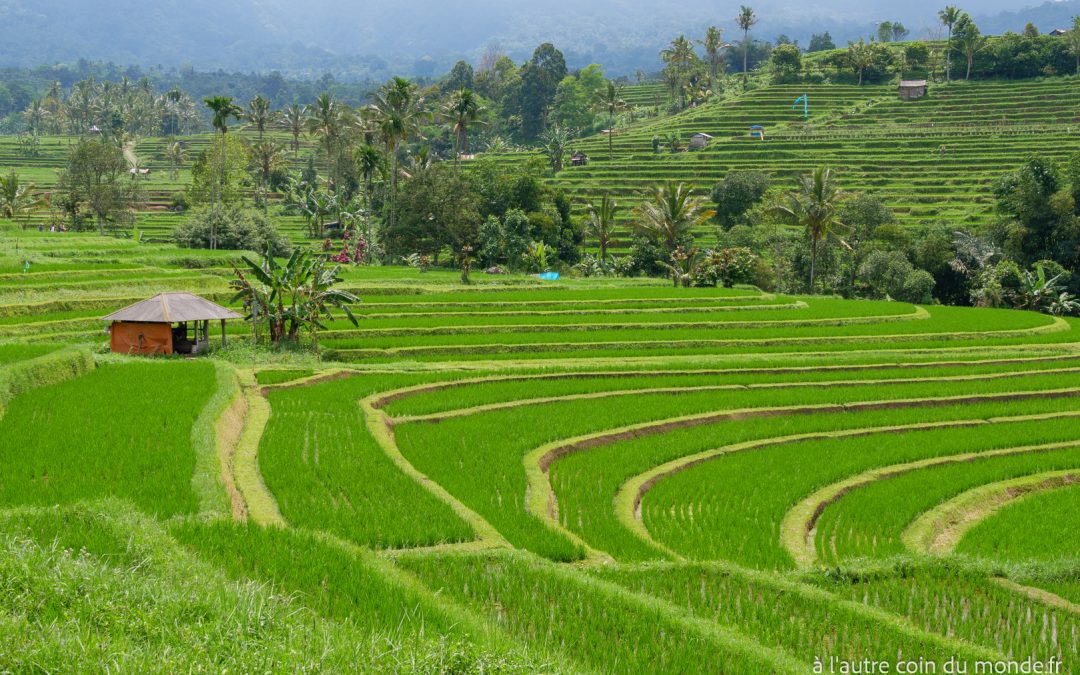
(1073, 38)
(267, 157)
(609, 99)
(369, 161)
(680, 57)
(176, 155)
(294, 120)
(714, 45)
(224, 109)
(949, 17)
(17, 198)
(259, 115)
(670, 214)
(601, 223)
(813, 206)
(397, 113)
(746, 20)
(460, 112)
(329, 121)
(970, 42)
(35, 115)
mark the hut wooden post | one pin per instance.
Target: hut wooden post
(223, 340)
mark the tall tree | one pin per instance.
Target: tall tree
(609, 99)
(601, 225)
(223, 110)
(397, 113)
(462, 111)
(860, 56)
(294, 120)
(259, 115)
(670, 214)
(539, 81)
(679, 57)
(714, 53)
(95, 177)
(814, 206)
(1073, 38)
(969, 41)
(949, 17)
(746, 20)
(327, 121)
(267, 157)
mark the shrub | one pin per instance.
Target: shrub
(234, 228)
(726, 267)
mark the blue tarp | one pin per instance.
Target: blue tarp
(548, 276)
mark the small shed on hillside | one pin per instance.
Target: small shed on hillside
(912, 89)
(169, 323)
(579, 159)
(700, 141)
(1058, 32)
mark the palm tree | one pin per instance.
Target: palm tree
(17, 198)
(223, 109)
(813, 206)
(397, 113)
(1073, 37)
(679, 56)
(714, 45)
(369, 161)
(609, 100)
(861, 57)
(949, 17)
(601, 223)
(267, 157)
(176, 155)
(259, 115)
(971, 42)
(327, 120)
(462, 111)
(294, 120)
(35, 115)
(670, 214)
(745, 21)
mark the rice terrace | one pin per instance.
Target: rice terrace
(762, 358)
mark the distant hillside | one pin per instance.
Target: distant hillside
(376, 38)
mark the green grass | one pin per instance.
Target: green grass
(1037, 527)
(328, 473)
(62, 443)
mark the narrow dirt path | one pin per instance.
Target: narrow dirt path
(939, 531)
(227, 435)
(261, 506)
(382, 430)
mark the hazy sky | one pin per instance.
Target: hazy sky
(298, 34)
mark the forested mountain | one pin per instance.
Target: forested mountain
(375, 38)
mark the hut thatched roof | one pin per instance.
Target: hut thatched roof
(172, 308)
(905, 84)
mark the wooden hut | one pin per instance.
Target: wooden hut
(169, 323)
(579, 159)
(700, 141)
(912, 89)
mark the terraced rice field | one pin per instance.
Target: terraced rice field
(526, 476)
(931, 160)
